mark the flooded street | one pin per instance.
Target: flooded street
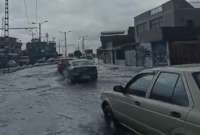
(40, 101)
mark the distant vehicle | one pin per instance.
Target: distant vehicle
(81, 69)
(24, 60)
(51, 60)
(90, 57)
(43, 60)
(161, 101)
(62, 64)
(12, 63)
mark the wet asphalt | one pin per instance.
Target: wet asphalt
(40, 101)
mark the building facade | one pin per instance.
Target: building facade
(114, 44)
(37, 50)
(157, 29)
(10, 49)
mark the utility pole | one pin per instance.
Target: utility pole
(3, 26)
(59, 47)
(32, 33)
(36, 10)
(78, 45)
(65, 44)
(40, 32)
(83, 43)
(47, 37)
(6, 30)
(40, 29)
(65, 34)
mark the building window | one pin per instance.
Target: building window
(156, 23)
(141, 28)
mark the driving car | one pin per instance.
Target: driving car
(159, 101)
(81, 69)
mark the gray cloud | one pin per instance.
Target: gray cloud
(83, 17)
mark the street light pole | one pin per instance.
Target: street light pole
(66, 49)
(83, 43)
(65, 44)
(59, 47)
(40, 32)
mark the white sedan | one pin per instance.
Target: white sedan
(161, 101)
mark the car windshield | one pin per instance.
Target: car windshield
(82, 63)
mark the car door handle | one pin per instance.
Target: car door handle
(175, 114)
(137, 103)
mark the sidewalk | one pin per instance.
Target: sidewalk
(122, 67)
(118, 74)
(14, 69)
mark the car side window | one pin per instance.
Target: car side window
(140, 86)
(180, 96)
(164, 87)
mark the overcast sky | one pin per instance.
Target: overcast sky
(82, 17)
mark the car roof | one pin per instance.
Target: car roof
(178, 68)
(77, 60)
(66, 58)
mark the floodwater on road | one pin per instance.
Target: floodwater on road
(39, 101)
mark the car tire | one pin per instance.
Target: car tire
(110, 120)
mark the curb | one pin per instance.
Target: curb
(15, 69)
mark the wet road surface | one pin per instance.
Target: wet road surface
(39, 101)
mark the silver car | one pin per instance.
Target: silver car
(81, 69)
(161, 101)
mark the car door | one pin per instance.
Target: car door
(130, 103)
(168, 105)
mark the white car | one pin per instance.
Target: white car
(81, 69)
(161, 101)
(12, 63)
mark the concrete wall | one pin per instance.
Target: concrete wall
(130, 57)
(120, 62)
(108, 58)
(148, 59)
(182, 16)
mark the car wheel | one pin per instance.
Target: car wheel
(109, 118)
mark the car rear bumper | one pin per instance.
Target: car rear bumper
(84, 76)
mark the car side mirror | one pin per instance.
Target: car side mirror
(119, 88)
